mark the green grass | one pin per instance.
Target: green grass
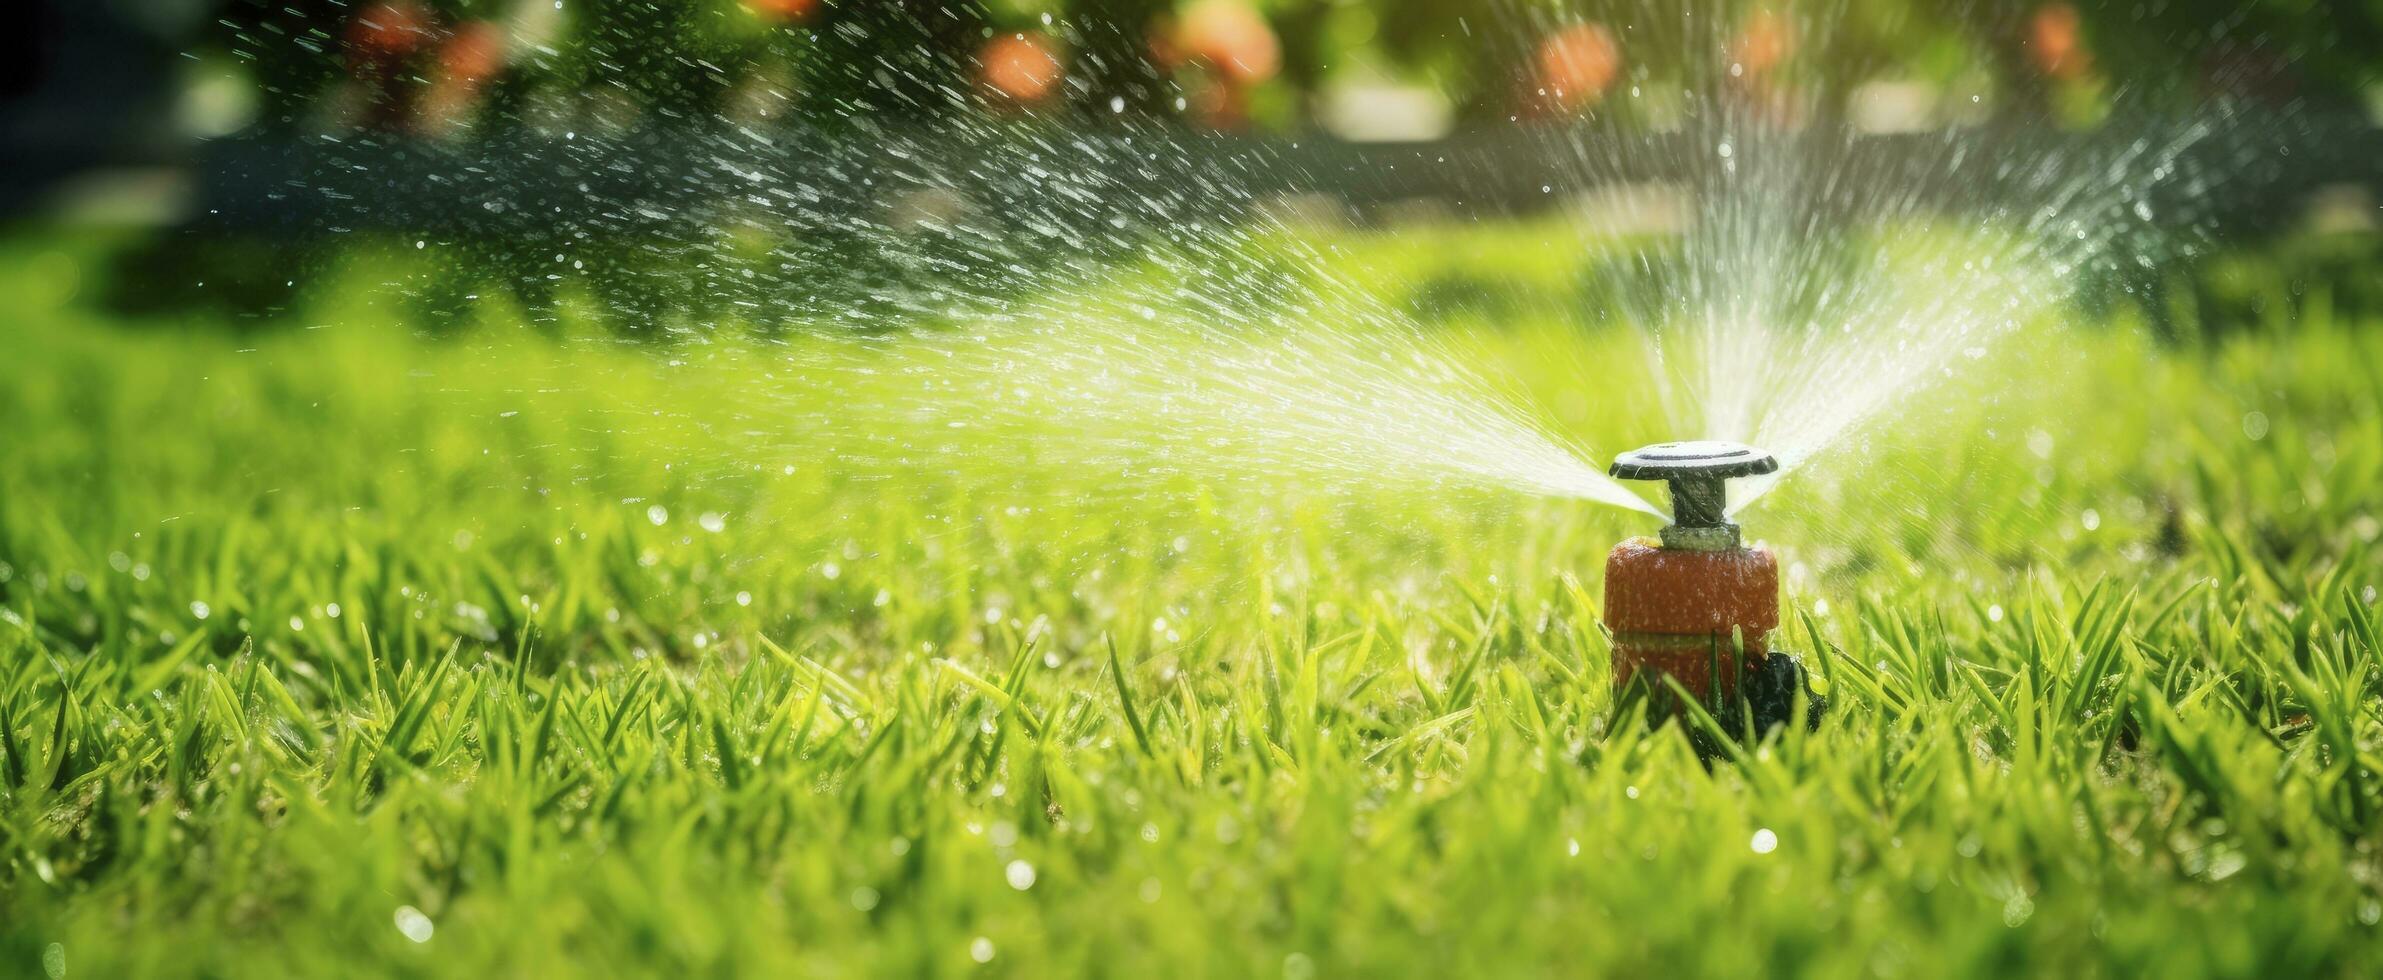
(452, 671)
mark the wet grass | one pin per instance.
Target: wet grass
(338, 652)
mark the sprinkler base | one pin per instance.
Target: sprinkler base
(1776, 691)
(1766, 690)
(1749, 699)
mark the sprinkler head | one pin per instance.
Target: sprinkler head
(1699, 497)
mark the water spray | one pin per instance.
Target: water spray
(1696, 605)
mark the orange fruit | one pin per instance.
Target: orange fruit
(783, 10)
(2056, 41)
(1764, 43)
(475, 53)
(1020, 67)
(387, 32)
(1232, 38)
(1577, 64)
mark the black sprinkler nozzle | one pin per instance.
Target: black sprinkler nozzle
(1697, 473)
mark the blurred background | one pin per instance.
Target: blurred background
(122, 81)
(215, 143)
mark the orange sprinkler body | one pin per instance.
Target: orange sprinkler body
(1697, 606)
(1698, 616)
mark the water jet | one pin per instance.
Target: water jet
(1696, 605)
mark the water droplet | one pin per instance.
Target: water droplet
(1020, 875)
(413, 924)
(2039, 442)
(980, 949)
(2017, 910)
(658, 514)
(1764, 841)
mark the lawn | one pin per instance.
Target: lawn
(346, 651)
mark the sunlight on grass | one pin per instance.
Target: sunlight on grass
(492, 655)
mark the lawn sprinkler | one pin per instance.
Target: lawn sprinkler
(1696, 605)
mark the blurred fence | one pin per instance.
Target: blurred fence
(2256, 165)
(678, 220)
